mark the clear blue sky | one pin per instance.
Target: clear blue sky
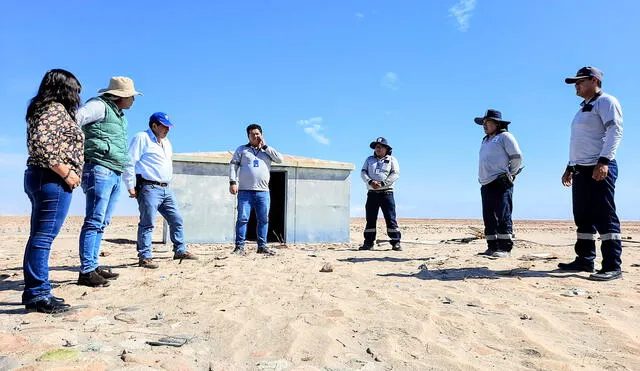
(416, 72)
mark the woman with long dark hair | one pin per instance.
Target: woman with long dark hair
(55, 145)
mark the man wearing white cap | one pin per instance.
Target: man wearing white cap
(147, 178)
(105, 151)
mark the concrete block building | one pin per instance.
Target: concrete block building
(309, 199)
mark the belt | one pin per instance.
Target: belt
(161, 184)
(576, 168)
(386, 191)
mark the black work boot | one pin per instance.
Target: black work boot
(578, 265)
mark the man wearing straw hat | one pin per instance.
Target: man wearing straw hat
(105, 151)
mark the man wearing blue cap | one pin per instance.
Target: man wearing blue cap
(592, 171)
(147, 178)
(379, 172)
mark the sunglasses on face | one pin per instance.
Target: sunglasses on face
(582, 81)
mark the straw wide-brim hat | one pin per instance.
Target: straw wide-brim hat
(120, 86)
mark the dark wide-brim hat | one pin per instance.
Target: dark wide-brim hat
(380, 140)
(491, 114)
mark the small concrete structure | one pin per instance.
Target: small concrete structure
(309, 199)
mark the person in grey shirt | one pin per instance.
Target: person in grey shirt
(380, 171)
(500, 160)
(249, 174)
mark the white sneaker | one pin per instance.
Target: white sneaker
(501, 254)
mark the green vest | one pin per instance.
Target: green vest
(106, 141)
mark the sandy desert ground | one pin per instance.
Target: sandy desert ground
(434, 306)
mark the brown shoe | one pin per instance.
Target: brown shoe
(107, 273)
(185, 256)
(265, 250)
(92, 279)
(147, 263)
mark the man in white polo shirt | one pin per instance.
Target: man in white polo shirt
(596, 131)
(147, 178)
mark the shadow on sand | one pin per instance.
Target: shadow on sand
(461, 274)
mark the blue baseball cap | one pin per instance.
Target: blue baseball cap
(161, 118)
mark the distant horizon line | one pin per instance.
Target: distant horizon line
(362, 217)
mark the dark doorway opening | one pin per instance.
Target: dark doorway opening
(277, 190)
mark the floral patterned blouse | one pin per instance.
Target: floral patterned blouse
(54, 138)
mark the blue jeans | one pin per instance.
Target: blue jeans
(594, 210)
(381, 200)
(102, 189)
(260, 201)
(497, 205)
(50, 199)
(152, 198)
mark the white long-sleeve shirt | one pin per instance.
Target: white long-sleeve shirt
(596, 133)
(149, 158)
(499, 154)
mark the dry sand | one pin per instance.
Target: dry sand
(431, 307)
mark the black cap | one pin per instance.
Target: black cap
(583, 73)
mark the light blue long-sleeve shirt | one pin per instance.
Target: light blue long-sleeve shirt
(596, 133)
(385, 170)
(149, 158)
(499, 154)
(92, 111)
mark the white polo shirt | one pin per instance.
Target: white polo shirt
(596, 133)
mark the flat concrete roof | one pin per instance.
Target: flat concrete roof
(289, 161)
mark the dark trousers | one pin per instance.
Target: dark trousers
(50, 199)
(497, 206)
(594, 210)
(385, 201)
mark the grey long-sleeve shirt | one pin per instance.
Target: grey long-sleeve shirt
(385, 170)
(250, 167)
